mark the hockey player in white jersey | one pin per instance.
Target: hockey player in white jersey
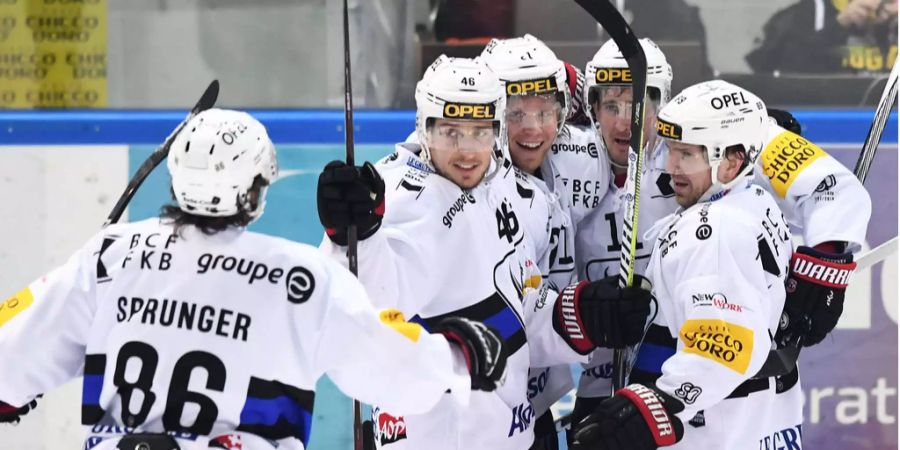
(192, 332)
(821, 199)
(537, 104)
(718, 269)
(449, 240)
(608, 95)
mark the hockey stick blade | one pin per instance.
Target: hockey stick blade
(207, 100)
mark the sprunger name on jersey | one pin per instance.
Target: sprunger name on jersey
(184, 315)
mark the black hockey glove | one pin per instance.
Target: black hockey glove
(350, 195)
(785, 120)
(12, 414)
(815, 296)
(482, 348)
(638, 417)
(601, 314)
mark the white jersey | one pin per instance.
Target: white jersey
(584, 172)
(598, 251)
(443, 251)
(819, 197)
(718, 271)
(576, 179)
(212, 338)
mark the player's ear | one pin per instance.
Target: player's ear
(733, 163)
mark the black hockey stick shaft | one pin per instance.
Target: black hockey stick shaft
(207, 100)
(358, 442)
(606, 14)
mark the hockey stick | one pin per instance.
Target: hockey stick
(207, 100)
(359, 440)
(606, 14)
(782, 361)
(874, 137)
(876, 255)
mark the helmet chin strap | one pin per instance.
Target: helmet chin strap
(719, 188)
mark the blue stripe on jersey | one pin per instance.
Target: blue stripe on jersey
(91, 387)
(269, 411)
(505, 322)
(421, 322)
(651, 357)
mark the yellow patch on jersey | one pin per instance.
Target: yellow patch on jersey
(395, 320)
(723, 342)
(533, 282)
(786, 156)
(15, 304)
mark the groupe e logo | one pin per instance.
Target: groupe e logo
(300, 285)
(299, 282)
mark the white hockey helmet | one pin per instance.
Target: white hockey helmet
(526, 66)
(460, 89)
(717, 115)
(608, 67)
(215, 160)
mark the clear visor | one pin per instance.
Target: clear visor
(462, 135)
(612, 106)
(684, 159)
(535, 110)
(611, 102)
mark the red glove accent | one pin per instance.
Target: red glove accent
(653, 411)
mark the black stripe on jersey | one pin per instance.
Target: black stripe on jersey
(274, 410)
(492, 311)
(783, 383)
(92, 384)
(766, 258)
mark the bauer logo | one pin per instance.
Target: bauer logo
(530, 87)
(723, 342)
(469, 111)
(612, 76)
(668, 129)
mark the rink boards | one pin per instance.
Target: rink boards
(60, 173)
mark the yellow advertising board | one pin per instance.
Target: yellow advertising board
(53, 53)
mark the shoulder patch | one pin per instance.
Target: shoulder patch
(723, 342)
(15, 304)
(785, 156)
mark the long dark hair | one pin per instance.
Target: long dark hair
(172, 213)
